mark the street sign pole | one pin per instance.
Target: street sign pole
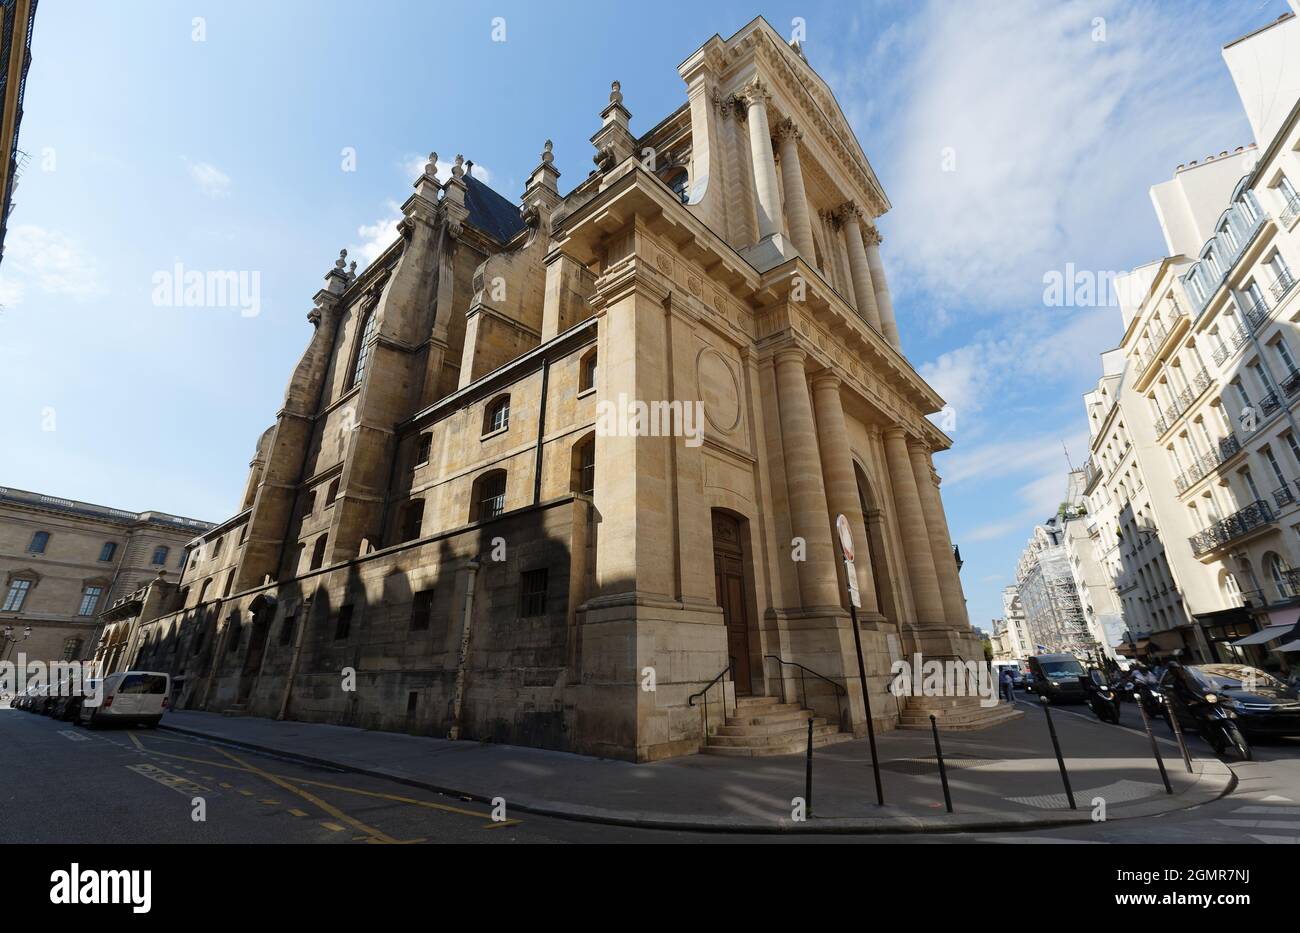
(851, 576)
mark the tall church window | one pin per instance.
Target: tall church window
(364, 344)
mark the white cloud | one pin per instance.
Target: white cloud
(49, 262)
(212, 182)
(376, 237)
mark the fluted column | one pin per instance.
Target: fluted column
(945, 563)
(884, 302)
(767, 194)
(796, 196)
(818, 583)
(916, 538)
(841, 485)
(859, 269)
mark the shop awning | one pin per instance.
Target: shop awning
(1263, 636)
(1289, 646)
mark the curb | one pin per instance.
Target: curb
(1214, 780)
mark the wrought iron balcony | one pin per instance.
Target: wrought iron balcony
(1283, 496)
(1206, 463)
(1282, 285)
(1255, 515)
(1183, 401)
(1291, 210)
(1269, 403)
(1257, 314)
(1230, 344)
(1291, 384)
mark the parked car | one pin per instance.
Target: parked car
(68, 706)
(1219, 700)
(1017, 672)
(1056, 677)
(129, 698)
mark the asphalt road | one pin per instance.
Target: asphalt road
(65, 784)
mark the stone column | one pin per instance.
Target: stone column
(884, 303)
(768, 201)
(945, 563)
(807, 495)
(859, 270)
(796, 196)
(916, 538)
(842, 487)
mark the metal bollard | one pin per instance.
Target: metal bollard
(1056, 746)
(807, 778)
(1178, 734)
(1155, 749)
(943, 771)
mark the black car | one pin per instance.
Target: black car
(1056, 677)
(1258, 703)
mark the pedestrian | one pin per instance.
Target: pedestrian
(1008, 685)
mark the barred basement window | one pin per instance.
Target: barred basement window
(489, 496)
(532, 593)
(424, 448)
(344, 624)
(421, 610)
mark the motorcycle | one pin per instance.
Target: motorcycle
(1203, 708)
(1150, 698)
(1101, 699)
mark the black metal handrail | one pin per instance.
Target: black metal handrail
(1254, 515)
(690, 701)
(1282, 285)
(840, 690)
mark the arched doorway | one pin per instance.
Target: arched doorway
(732, 595)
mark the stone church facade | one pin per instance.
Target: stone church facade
(438, 514)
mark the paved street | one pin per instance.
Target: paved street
(67, 784)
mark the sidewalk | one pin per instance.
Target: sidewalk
(1000, 778)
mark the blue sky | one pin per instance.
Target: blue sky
(149, 148)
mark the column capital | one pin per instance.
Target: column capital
(826, 380)
(849, 212)
(790, 355)
(755, 92)
(894, 432)
(787, 129)
(871, 235)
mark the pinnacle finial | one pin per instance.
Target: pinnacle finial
(431, 167)
(616, 93)
(459, 168)
(547, 154)
(342, 260)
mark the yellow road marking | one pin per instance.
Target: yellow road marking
(329, 808)
(394, 797)
(270, 802)
(227, 786)
(296, 812)
(246, 793)
(136, 739)
(502, 823)
(336, 828)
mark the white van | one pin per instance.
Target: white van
(129, 697)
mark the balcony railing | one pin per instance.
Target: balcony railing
(1283, 496)
(1291, 210)
(1205, 464)
(1291, 384)
(1269, 403)
(1257, 314)
(1183, 401)
(1282, 285)
(1253, 516)
(1230, 344)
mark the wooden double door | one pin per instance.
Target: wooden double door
(729, 579)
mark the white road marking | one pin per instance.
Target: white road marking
(70, 734)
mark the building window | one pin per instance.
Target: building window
(1278, 573)
(497, 415)
(412, 518)
(331, 493)
(532, 593)
(587, 372)
(216, 547)
(17, 595)
(489, 496)
(39, 541)
(309, 504)
(421, 610)
(318, 553)
(230, 582)
(71, 648)
(286, 630)
(107, 551)
(364, 344)
(203, 591)
(584, 466)
(160, 555)
(344, 623)
(678, 182)
(89, 599)
(423, 448)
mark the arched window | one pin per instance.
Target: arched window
(488, 499)
(160, 555)
(203, 591)
(1277, 570)
(332, 493)
(318, 553)
(364, 344)
(39, 541)
(587, 371)
(496, 417)
(107, 551)
(583, 477)
(412, 519)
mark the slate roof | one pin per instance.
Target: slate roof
(495, 215)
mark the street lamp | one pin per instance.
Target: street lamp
(12, 639)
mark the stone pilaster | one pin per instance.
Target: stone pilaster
(926, 596)
(884, 302)
(864, 292)
(796, 196)
(841, 485)
(807, 494)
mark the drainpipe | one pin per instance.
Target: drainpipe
(541, 433)
(298, 639)
(462, 662)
